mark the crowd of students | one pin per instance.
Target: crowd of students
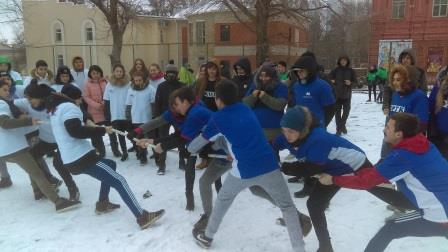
(236, 125)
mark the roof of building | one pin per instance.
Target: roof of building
(205, 6)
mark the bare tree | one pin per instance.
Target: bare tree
(12, 12)
(259, 12)
(169, 7)
(118, 14)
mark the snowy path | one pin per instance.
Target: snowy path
(353, 216)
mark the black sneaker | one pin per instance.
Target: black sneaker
(116, 152)
(148, 218)
(105, 207)
(344, 130)
(73, 193)
(5, 182)
(202, 240)
(63, 204)
(294, 180)
(124, 157)
(202, 222)
(161, 171)
(190, 202)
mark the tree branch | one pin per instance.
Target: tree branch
(229, 6)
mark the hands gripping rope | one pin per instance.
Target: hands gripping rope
(146, 144)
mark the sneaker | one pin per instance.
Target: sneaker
(396, 209)
(202, 222)
(124, 156)
(63, 204)
(161, 171)
(203, 164)
(190, 202)
(202, 240)
(148, 218)
(105, 207)
(5, 182)
(73, 193)
(344, 130)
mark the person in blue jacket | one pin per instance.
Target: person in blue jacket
(438, 122)
(406, 98)
(314, 93)
(419, 171)
(267, 96)
(254, 164)
(190, 117)
(318, 151)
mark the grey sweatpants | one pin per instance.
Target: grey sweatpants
(274, 184)
(215, 169)
(3, 169)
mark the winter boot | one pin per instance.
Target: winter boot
(5, 182)
(63, 204)
(202, 240)
(105, 207)
(115, 151)
(124, 156)
(73, 193)
(190, 201)
(148, 218)
(202, 222)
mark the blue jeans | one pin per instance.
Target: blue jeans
(105, 172)
(411, 224)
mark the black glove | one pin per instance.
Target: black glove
(288, 168)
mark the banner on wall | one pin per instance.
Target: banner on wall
(389, 51)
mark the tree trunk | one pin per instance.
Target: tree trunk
(262, 10)
(115, 56)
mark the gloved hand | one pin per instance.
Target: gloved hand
(289, 168)
(136, 133)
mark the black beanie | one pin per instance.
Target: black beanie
(308, 63)
(72, 92)
(38, 91)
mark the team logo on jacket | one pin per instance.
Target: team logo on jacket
(397, 108)
(209, 94)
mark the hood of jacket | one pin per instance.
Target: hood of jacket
(417, 144)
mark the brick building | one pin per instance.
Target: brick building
(418, 24)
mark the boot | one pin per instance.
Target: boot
(203, 164)
(115, 151)
(5, 182)
(161, 170)
(325, 247)
(124, 156)
(132, 149)
(105, 207)
(344, 130)
(73, 193)
(190, 201)
(202, 222)
(63, 204)
(143, 160)
(148, 218)
(305, 223)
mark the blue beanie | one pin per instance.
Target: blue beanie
(294, 118)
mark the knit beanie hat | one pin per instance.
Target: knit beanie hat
(295, 118)
(269, 68)
(72, 91)
(37, 91)
(171, 68)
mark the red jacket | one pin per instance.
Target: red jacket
(367, 178)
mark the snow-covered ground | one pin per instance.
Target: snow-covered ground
(353, 216)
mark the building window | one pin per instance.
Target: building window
(161, 36)
(439, 8)
(398, 9)
(89, 34)
(60, 60)
(58, 35)
(225, 32)
(200, 32)
(190, 33)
